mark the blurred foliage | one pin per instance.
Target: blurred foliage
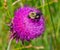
(50, 40)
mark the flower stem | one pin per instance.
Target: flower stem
(21, 4)
(8, 48)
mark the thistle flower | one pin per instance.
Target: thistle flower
(28, 23)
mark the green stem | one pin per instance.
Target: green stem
(46, 4)
(43, 3)
(51, 18)
(53, 28)
(8, 48)
(21, 4)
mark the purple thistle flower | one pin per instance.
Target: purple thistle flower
(28, 23)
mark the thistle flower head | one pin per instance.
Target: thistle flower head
(28, 23)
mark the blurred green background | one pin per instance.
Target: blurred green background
(50, 40)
